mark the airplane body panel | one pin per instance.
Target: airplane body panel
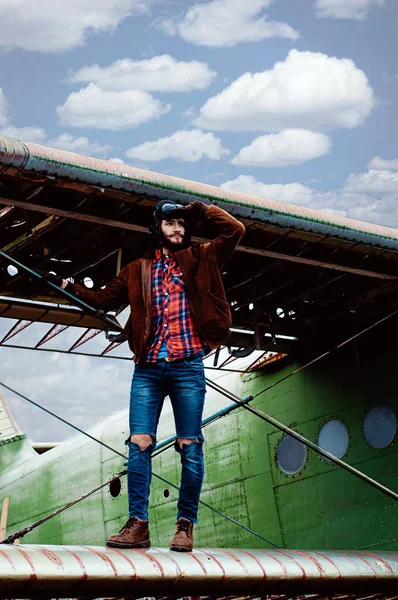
(319, 506)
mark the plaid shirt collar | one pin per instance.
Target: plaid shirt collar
(160, 254)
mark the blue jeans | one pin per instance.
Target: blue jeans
(184, 381)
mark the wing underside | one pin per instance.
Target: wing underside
(299, 277)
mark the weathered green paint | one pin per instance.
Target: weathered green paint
(320, 507)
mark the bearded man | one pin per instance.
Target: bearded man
(178, 310)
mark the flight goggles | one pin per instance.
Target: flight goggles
(169, 207)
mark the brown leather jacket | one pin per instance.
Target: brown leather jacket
(200, 264)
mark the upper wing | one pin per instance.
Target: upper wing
(300, 276)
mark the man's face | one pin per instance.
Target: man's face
(173, 231)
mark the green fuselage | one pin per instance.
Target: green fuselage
(320, 506)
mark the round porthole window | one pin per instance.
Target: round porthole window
(333, 437)
(380, 426)
(291, 455)
(115, 487)
(88, 282)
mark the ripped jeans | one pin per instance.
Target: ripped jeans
(184, 381)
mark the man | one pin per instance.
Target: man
(178, 308)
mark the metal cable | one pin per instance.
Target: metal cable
(262, 415)
(239, 402)
(20, 534)
(168, 445)
(99, 314)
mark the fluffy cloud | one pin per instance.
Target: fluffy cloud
(382, 164)
(376, 182)
(65, 141)
(81, 145)
(380, 209)
(58, 26)
(226, 23)
(38, 135)
(158, 74)
(346, 9)
(307, 90)
(104, 109)
(184, 145)
(294, 193)
(288, 147)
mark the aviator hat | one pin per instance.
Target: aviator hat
(165, 209)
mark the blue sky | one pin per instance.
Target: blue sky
(318, 102)
(293, 100)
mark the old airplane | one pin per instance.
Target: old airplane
(314, 300)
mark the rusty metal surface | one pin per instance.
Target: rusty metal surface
(81, 571)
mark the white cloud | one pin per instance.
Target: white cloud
(382, 164)
(380, 209)
(295, 193)
(221, 23)
(160, 73)
(346, 9)
(58, 26)
(377, 182)
(104, 109)
(308, 90)
(65, 141)
(81, 145)
(37, 135)
(184, 145)
(288, 147)
(117, 160)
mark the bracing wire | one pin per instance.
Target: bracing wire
(221, 390)
(239, 402)
(26, 530)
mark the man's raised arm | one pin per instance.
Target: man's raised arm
(230, 231)
(111, 297)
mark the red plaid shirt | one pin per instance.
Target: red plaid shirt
(172, 318)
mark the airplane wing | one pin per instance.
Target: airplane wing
(299, 278)
(91, 571)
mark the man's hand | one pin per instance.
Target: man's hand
(52, 277)
(195, 212)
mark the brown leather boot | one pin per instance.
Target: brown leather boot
(134, 534)
(183, 537)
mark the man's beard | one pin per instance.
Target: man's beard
(173, 246)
